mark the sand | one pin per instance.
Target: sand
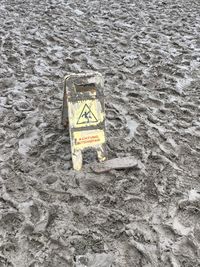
(149, 54)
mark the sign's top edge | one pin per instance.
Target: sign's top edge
(82, 74)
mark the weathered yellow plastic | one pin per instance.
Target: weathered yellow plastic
(83, 111)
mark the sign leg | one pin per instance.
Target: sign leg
(77, 159)
(101, 153)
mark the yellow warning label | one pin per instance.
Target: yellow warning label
(86, 116)
(85, 113)
(87, 138)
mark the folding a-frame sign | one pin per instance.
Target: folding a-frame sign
(83, 111)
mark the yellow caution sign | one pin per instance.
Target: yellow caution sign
(83, 111)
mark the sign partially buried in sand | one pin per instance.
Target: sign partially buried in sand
(83, 111)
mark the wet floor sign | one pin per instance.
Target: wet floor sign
(83, 111)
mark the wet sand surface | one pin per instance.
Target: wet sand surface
(149, 54)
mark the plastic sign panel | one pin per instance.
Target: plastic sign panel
(84, 113)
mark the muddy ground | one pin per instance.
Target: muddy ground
(149, 54)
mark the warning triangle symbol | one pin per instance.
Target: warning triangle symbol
(86, 116)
